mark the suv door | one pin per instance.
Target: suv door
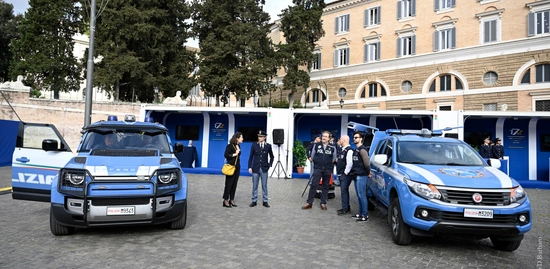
(40, 152)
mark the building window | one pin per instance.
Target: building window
(372, 16)
(373, 90)
(406, 9)
(316, 64)
(314, 96)
(490, 78)
(444, 4)
(526, 79)
(445, 83)
(542, 105)
(538, 23)
(490, 107)
(406, 86)
(372, 52)
(445, 39)
(542, 73)
(490, 25)
(341, 57)
(489, 31)
(406, 46)
(445, 108)
(342, 24)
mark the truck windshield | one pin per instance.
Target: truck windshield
(438, 153)
(125, 140)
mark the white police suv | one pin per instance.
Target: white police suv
(428, 184)
(124, 173)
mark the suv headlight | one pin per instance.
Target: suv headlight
(167, 177)
(517, 194)
(423, 190)
(73, 178)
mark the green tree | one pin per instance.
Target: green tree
(302, 27)
(236, 54)
(141, 45)
(43, 51)
(8, 31)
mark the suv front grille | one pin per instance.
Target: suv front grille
(464, 197)
(119, 201)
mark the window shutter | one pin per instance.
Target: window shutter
(378, 14)
(453, 38)
(319, 61)
(436, 5)
(398, 47)
(413, 45)
(436, 41)
(366, 23)
(347, 23)
(347, 56)
(399, 7)
(413, 8)
(486, 31)
(494, 30)
(336, 25)
(377, 45)
(366, 49)
(336, 58)
(531, 24)
(453, 3)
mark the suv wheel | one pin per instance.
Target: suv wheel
(505, 245)
(179, 223)
(400, 231)
(57, 229)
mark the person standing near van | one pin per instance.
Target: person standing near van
(259, 162)
(233, 155)
(361, 170)
(343, 168)
(323, 156)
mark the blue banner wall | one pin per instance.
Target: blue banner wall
(516, 146)
(8, 137)
(218, 140)
(543, 150)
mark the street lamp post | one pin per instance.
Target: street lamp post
(342, 93)
(156, 94)
(341, 103)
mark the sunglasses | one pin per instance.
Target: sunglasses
(356, 137)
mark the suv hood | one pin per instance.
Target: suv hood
(485, 177)
(127, 166)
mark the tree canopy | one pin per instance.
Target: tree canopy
(236, 54)
(302, 27)
(43, 50)
(8, 31)
(141, 45)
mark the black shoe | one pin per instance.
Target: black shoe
(356, 216)
(253, 204)
(224, 205)
(363, 219)
(233, 204)
(266, 204)
(342, 211)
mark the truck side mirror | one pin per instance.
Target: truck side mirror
(495, 163)
(178, 147)
(380, 159)
(49, 144)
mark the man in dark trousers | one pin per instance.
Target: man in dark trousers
(259, 162)
(498, 149)
(323, 156)
(343, 168)
(485, 150)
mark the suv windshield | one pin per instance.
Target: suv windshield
(437, 153)
(125, 140)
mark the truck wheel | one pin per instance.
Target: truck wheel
(400, 231)
(58, 229)
(505, 245)
(179, 223)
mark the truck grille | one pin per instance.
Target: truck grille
(459, 216)
(464, 197)
(119, 201)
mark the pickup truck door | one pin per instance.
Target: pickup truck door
(379, 173)
(34, 165)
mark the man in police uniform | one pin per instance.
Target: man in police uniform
(486, 150)
(324, 157)
(498, 150)
(259, 162)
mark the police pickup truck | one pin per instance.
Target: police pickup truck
(427, 184)
(124, 173)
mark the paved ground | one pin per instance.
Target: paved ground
(283, 236)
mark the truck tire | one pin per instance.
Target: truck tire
(57, 229)
(505, 245)
(400, 231)
(179, 223)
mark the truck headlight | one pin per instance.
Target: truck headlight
(423, 190)
(165, 177)
(517, 194)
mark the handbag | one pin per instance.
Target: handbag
(229, 169)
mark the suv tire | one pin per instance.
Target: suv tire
(180, 223)
(400, 231)
(56, 228)
(505, 245)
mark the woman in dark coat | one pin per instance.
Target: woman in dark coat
(233, 156)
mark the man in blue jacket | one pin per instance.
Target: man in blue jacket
(259, 162)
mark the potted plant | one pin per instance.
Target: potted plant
(300, 156)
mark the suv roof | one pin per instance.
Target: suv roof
(109, 125)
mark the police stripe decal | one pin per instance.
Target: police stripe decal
(429, 176)
(504, 179)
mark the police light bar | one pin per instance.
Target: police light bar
(358, 127)
(130, 118)
(422, 132)
(112, 118)
(149, 119)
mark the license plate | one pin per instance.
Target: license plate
(477, 213)
(117, 211)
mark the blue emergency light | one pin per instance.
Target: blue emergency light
(149, 119)
(112, 118)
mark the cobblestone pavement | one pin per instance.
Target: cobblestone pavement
(283, 236)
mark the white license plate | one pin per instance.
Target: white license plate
(117, 211)
(478, 213)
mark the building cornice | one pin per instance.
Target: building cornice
(343, 5)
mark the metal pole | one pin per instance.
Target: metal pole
(90, 69)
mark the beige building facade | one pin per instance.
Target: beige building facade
(471, 55)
